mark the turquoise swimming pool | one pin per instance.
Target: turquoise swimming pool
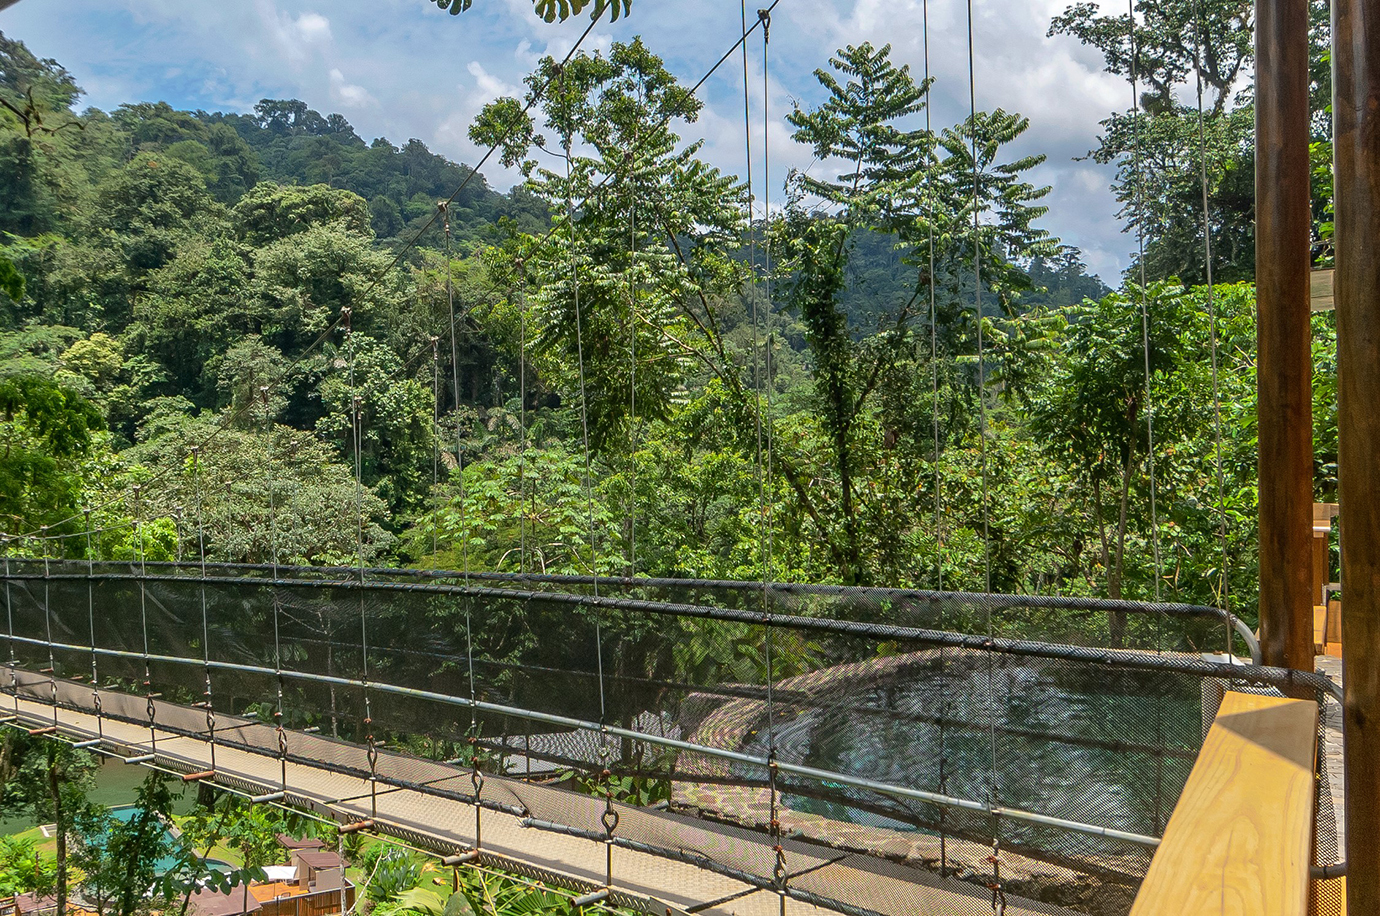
(127, 813)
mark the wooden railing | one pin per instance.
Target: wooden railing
(1240, 839)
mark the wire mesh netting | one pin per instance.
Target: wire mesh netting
(908, 746)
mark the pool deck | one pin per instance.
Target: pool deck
(1332, 745)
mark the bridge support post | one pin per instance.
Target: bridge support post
(1356, 133)
(1283, 367)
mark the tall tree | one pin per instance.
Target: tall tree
(647, 236)
(47, 781)
(901, 182)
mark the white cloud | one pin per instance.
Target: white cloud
(349, 94)
(312, 27)
(295, 36)
(490, 87)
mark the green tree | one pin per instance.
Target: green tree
(896, 182)
(643, 253)
(240, 476)
(45, 433)
(46, 781)
(121, 859)
(1180, 45)
(23, 870)
(394, 417)
(1095, 414)
(146, 209)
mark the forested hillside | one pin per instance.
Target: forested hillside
(205, 341)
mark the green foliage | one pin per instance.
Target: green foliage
(45, 432)
(624, 285)
(230, 480)
(392, 872)
(1183, 48)
(46, 782)
(631, 789)
(23, 870)
(11, 280)
(121, 860)
(269, 213)
(1098, 409)
(225, 284)
(552, 10)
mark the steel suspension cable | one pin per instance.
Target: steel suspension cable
(1144, 305)
(764, 18)
(934, 309)
(977, 296)
(942, 786)
(1224, 590)
(208, 701)
(994, 795)
(472, 736)
(632, 346)
(357, 436)
(764, 526)
(444, 208)
(273, 549)
(435, 432)
(610, 815)
(139, 546)
(9, 616)
(91, 620)
(753, 297)
(48, 625)
(522, 417)
(779, 871)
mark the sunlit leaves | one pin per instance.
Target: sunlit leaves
(553, 10)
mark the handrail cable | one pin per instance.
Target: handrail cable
(1144, 305)
(1224, 590)
(208, 700)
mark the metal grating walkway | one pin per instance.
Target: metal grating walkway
(436, 811)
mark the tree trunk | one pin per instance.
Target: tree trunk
(1101, 525)
(60, 828)
(1117, 620)
(852, 573)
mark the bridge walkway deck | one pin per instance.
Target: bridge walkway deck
(435, 811)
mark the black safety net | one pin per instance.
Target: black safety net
(901, 748)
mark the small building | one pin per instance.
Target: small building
(292, 843)
(313, 885)
(238, 901)
(318, 887)
(28, 905)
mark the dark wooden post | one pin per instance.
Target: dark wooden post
(1283, 367)
(1356, 132)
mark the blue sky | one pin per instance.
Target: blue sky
(403, 68)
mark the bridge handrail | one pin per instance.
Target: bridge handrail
(857, 628)
(857, 782)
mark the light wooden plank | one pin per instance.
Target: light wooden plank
(1319, 628)
(1239, 840)
(1320, 291)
